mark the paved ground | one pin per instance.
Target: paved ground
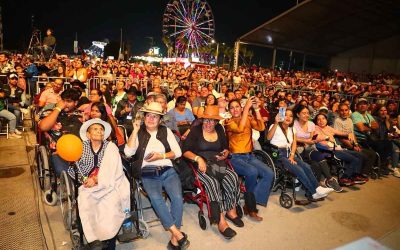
(371, 210)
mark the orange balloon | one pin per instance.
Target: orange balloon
(69, 147)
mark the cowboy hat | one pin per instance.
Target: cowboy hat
(85, 126)
(211, 112)
(154, 108)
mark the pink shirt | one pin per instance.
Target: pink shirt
(327, 131)
(50, 97)
(87, 110)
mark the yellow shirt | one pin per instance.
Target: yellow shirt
(240, 139)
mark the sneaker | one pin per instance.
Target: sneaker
(318, 196)
(396, 172)
(17, 132)
(333, 183)
(324, 191)
(14, 136)
(345, 182)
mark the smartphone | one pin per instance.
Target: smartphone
(148, 156)
(314, 137)
(282, 111)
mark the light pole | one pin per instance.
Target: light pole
(217, 52)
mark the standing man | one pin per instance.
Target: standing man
(48, 43)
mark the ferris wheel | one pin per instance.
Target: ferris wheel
(188, 26)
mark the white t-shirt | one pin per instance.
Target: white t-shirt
(279, 138)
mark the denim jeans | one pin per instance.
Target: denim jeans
(301, 170)
(10, 117)
(170, 181)
(17, 112)
(58, 164)
(257, 174)
(352, 162)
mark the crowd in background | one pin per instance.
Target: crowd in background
(352, 116)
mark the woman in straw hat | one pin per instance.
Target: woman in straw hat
(154, 147)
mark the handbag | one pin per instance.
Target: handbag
(216, 169)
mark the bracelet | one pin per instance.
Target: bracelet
(196, 158)
(164, 156)
(58, 108)
(257, 110)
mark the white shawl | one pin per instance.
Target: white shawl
(101, 207)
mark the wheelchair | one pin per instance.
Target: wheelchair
(68, 193)
(283, 179)
(197, 195)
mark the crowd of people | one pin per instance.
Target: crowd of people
(205, 115)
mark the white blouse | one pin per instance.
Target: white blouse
(154, 145)
(279, 138)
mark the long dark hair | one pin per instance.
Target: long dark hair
(102, 109)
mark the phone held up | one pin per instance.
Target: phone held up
(282, 111)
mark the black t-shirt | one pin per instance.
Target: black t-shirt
(196, 143)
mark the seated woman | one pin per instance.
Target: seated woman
(206, 144)
(283, 135)
(352, 172)
(306, 140)
(154, 146)
(183, 116)
(257, 174)
(210, 100)
(105, 192)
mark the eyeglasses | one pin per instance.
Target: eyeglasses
(152, 116)
(212, 121)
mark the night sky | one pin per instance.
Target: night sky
(97, 20)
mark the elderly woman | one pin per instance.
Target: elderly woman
(207, 146)
(154, 147)
(352, 160)
(283, 136)
(104, 193)
(257, 174)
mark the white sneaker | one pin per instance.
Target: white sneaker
(17, 132)
(322, 190)
(396, 172)
(14, 136)
(317, 196)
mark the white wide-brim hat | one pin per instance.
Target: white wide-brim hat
(85, 126)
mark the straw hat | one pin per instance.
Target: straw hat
(211, 112)
(154, 108)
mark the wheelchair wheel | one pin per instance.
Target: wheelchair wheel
(239, 211)
(65, 197)
(267, 160)
(50, 197)
(285, 200)
(202, 220)
(144, 228)
(43, 169)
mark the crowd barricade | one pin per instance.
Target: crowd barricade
(41, 82)
(96, 81)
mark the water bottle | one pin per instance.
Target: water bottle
(296, 185)
(127, 225)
